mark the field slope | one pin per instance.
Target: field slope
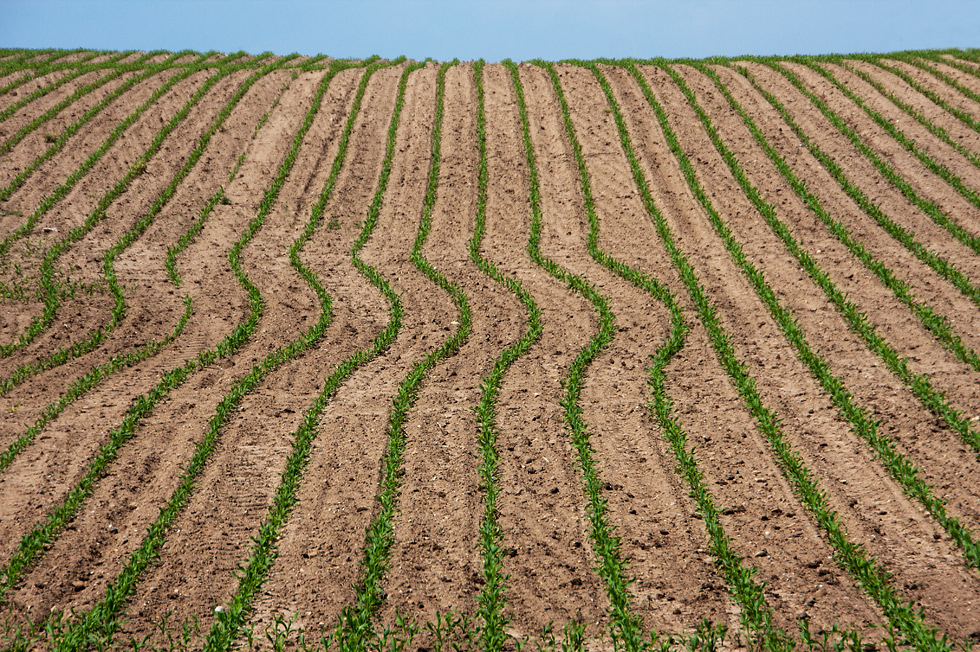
(299, 352)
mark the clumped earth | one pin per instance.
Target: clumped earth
(398, 355)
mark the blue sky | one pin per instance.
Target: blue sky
(495, 29)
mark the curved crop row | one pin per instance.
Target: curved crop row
(756, 613)
(492, 596)
(65, 187)
(949, 81)
(903, 617)
(39, 69)
(92, 378)
(357, 629)
(44, 533)
(264, 549)
(935, 322)
(907, 238)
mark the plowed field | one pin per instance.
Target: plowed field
(397, 355)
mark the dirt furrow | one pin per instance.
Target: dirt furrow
(765, 520)
(146, 473)
(436, 563)
(925, 182)
(899, 534)
(647, 498)
(82, 427)
(878, 189)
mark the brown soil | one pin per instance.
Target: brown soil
(436, 563)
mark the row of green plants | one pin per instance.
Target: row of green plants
(903, 618)
(357, 629)
(37, 69)
(48, 266)
(756, 614)
(931, 398)
(17, 59)
(492, 601)
(96, 627)
(902, 469)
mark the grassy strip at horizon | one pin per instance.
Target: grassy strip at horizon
(910, 145)
(47, 281)
(76, 71)
(492, 600)
(92, 378)
(902, 617)
(116, 72)
(100, 623)
(756, 614)
(936, 262)
(73, 128)
(625, 628)
(901, 468)
(933, 399)
(251, 575)
(930, 208)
